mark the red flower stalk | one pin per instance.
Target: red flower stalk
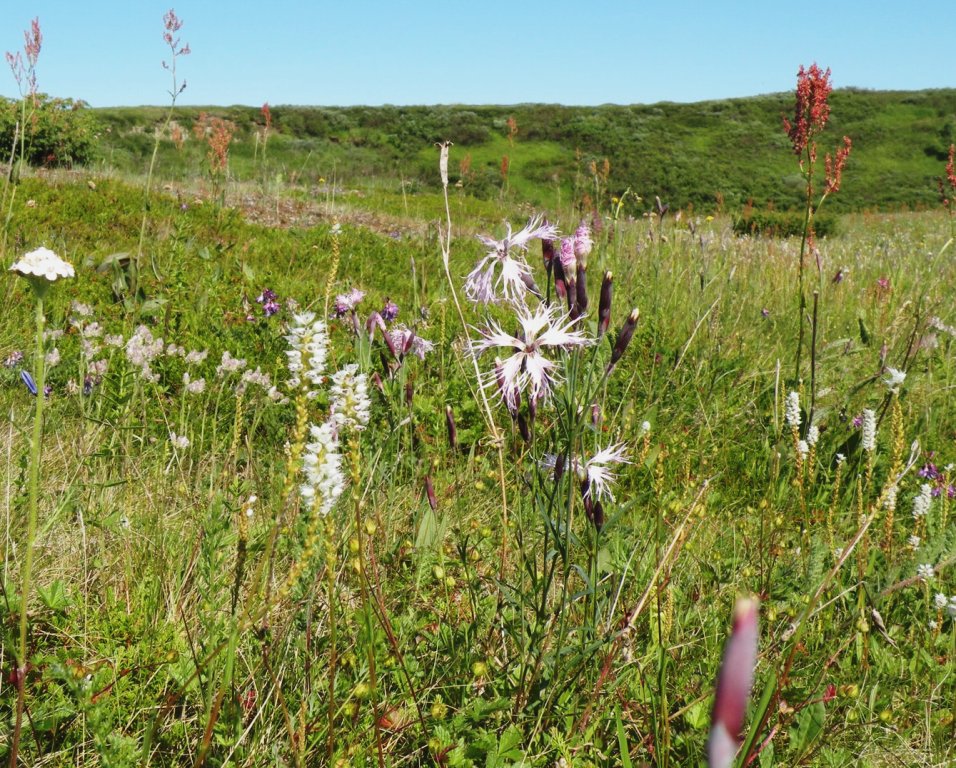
(267, 115)
(733, 686)
(812, 110)
(950, 171)
(834, 169)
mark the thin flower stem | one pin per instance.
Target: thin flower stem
(34, 496)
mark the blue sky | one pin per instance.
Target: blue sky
(492, 52)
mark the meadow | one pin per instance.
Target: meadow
(330, 467)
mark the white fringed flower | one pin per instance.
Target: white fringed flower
(527, 369)
(350, 401)
(894, 379)
(597, 471)
(515, 279)
(43, 263)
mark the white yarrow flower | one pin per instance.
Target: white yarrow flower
(43, 263)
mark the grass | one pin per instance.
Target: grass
(178, 620)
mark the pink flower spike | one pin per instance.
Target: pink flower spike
(733, 686)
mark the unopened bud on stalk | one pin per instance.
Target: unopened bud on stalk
(733, 686)
(547, 253)
(523, 429)
(623, 338)
(377, 381)
(452, 429)
(595, 415)
(604, 304)
(560, 285)
(582, 292)
(559, 463)
(430, 493)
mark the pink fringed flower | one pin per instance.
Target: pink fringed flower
(482, 286)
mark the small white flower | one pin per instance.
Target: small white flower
(813, 435)
(195, 356)
(53, 357)
(43, 263)
(889, 502)
(308, 348)
(925, 572)
(840, 458)
(894, 379)
(597, 471)
(803, 447)
(179, 441)
(193, 387)
(940, 600)
(914, 542)
(645, 427)
(321, 464)
(229, 364)
(933, 625)
(793, 410)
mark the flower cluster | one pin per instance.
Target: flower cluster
(324, 481)
(350, 400)
(308, 348)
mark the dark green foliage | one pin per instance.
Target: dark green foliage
(59, 132)
(782, 224)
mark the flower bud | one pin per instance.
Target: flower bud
(430, 493)
(604, 304)
(623, 338)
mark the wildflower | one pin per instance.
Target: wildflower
(922, 501)
(515, 279)
(733, 686)
(229, 364)
(929, 470)
(193, 387)
(894, 379)
(889, 502)
(13, 359)
(793, 410)
(28, 382)
(321, 464)
(811, 110)
(308, 348)
(527, 368)
(80, 309)
(932, 625)
(840, 458)
(178, 441)
(940, 600)
(596, 474)
(582, 242)
(114, 340)
(389, 311)
(347, 302)
(195, 357)
(350, 401)
(925, 572)
(645, 427)
(568, 259)
(269, 301)
(405, 341)
(869, 430)
(42, 264)
(813, 435)
(914, 542)
(803, 448)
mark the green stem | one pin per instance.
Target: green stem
(34, 491)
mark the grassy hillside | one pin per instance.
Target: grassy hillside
(733, 150)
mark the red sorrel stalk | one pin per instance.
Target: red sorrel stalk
(811, 112)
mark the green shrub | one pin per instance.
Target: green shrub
(782, 223)
(59, 132)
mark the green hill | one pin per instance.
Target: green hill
(732, 150)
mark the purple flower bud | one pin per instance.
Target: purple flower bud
(28, 380)
(523, 429)
(623, 338)
(452, 429)
(559, 463)
(582, 243)
(569, 262)
(430, 493)
(582, 291)
(560, 284)
(604, 304)
(547, 253)
(733, 686)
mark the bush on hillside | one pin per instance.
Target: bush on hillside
(59, 132)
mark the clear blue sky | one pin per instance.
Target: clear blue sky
(373, 52)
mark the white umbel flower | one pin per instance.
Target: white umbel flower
(350, 401)
(793, 410)
(321, 464)
(43, 263)
(869, 430)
